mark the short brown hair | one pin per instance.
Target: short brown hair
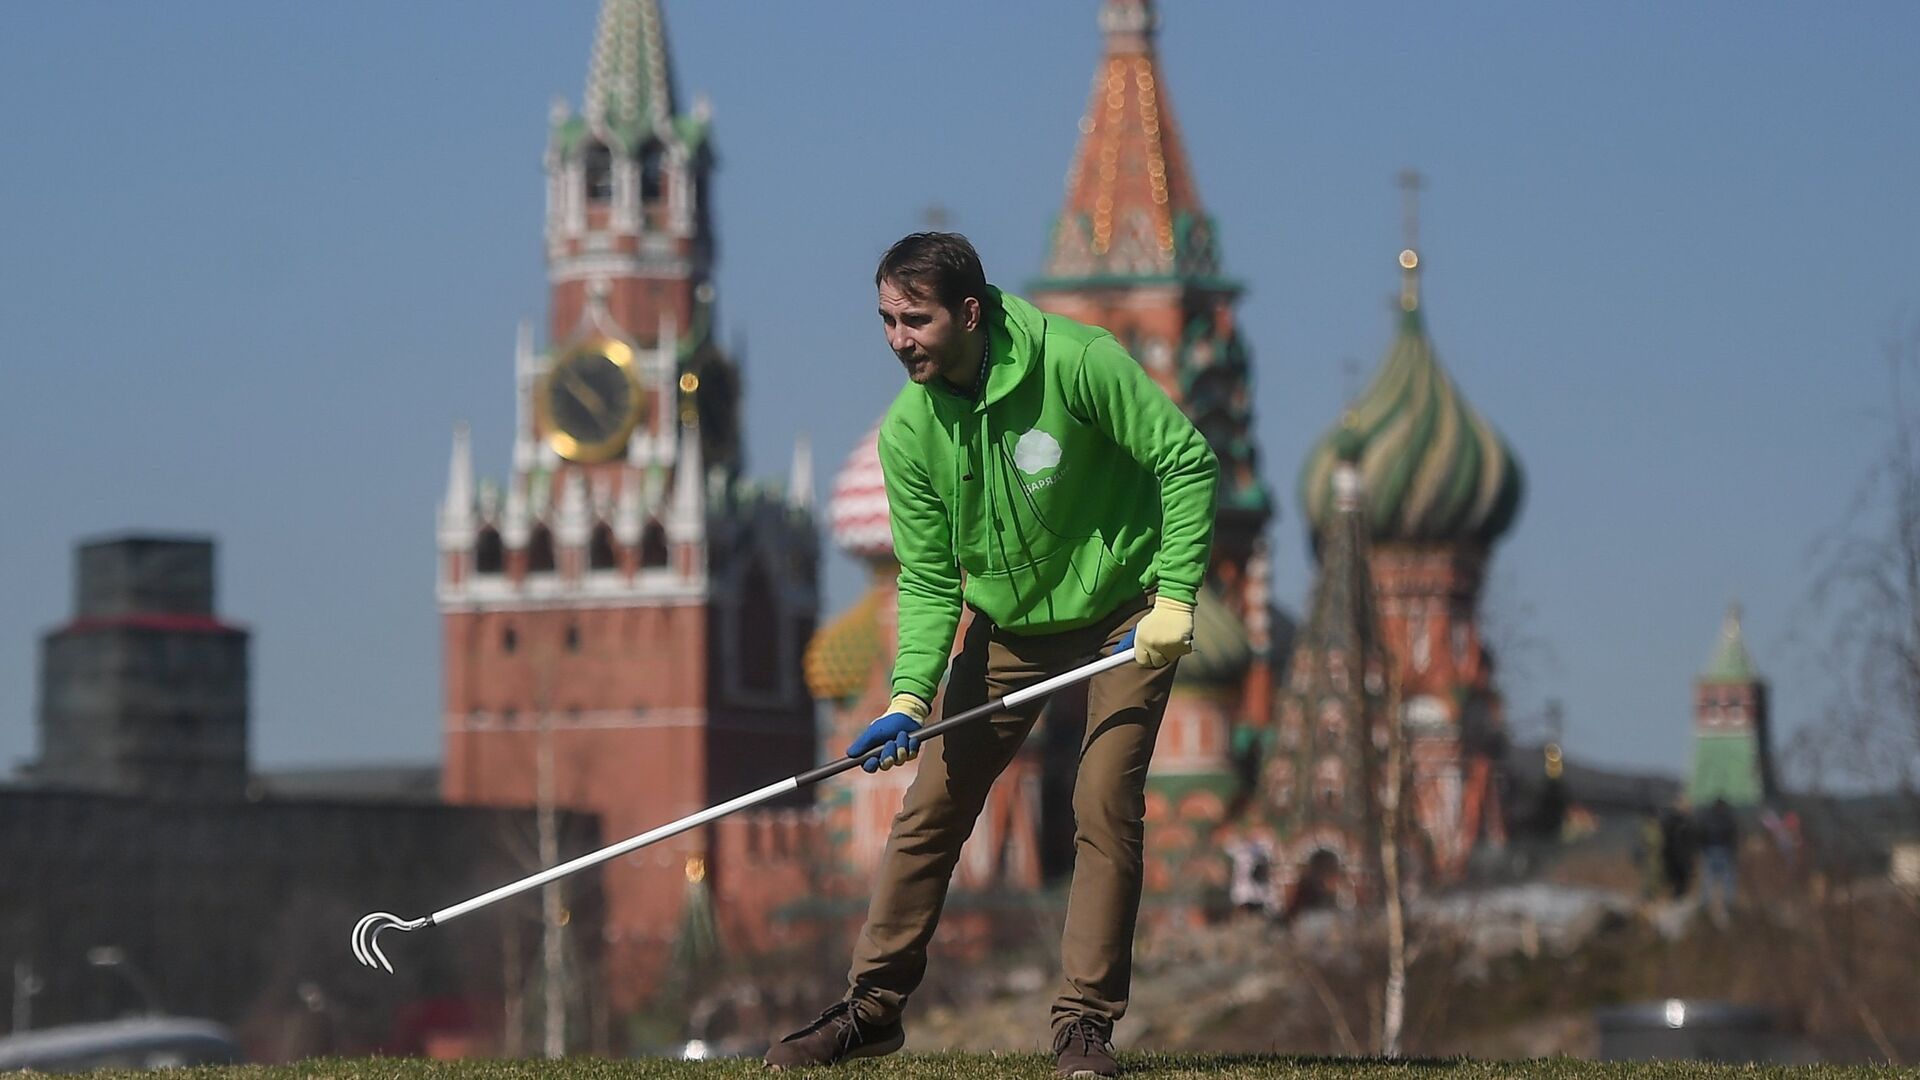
(940, 266)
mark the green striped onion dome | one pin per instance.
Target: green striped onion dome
(1432, 468)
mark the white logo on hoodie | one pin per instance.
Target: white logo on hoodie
(1036, 452)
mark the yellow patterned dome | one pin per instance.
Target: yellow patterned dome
(841, 656)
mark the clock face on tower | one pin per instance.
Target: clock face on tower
(589, 401)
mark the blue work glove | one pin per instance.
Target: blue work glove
(892, 735)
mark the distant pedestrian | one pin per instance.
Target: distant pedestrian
(1649, 854)
(1784, 829)
(1318, 887)
(1677, 848)
(1250, 888)
(1719, 841)
(1796, 841)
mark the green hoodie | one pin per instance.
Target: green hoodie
(1072, 484)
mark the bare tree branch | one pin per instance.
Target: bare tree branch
(1868, 584)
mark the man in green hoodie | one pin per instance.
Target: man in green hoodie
(1038, 476)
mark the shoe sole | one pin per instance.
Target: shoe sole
(878, 1049)
(866, 1050)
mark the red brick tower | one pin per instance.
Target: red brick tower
(623, 626)
(1134, 251)
(1441, 488)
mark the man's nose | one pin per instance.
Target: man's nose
(897, 340)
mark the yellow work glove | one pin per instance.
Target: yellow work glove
(1165, 635)
(911, 705)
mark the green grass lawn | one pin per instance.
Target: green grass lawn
(1037, 1067)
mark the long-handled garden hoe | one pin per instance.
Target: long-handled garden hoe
(366, 933)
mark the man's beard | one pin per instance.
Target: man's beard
(923, 368)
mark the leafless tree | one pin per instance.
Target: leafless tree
(1394, 992)
(1867, 588)
(558, 975)
(1526, 662)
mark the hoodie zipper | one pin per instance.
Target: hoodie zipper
(969, 462)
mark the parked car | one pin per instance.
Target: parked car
(149, 1042)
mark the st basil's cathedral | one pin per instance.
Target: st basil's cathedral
(1272, 751)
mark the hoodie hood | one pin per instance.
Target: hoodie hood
(1015, 330)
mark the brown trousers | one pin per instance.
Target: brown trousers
(1124, 707)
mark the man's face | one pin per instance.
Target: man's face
(929, 340)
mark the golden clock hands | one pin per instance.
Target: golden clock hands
(586, 394)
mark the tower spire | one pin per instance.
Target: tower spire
(1410, 184)
(457, 511)
(800, 481)
(1731, 661)
(573, 521)
(1131, 210)
(630, 80)
(687, 520)
(525, 371)
(629, 508)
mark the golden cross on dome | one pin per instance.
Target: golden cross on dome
(1410, 184)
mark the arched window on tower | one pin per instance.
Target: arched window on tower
(653, 546)
(601, 552)
(540, 551)
(489, 554)
(1291, 721)
(759, 634)
(599, 172)
(653, 182)
(1333, 724)
(1280, 784)
(1319, 882)
(1329, 784)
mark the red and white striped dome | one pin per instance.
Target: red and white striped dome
(858, 508)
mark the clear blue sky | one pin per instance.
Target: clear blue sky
(259, 258)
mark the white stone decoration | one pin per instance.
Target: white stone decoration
(1427, 712)
(457, 520)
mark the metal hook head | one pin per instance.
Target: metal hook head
(366, 937)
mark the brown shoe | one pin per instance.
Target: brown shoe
(1084, 1048)
(839, 1035)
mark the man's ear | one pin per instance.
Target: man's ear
(971, 305)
